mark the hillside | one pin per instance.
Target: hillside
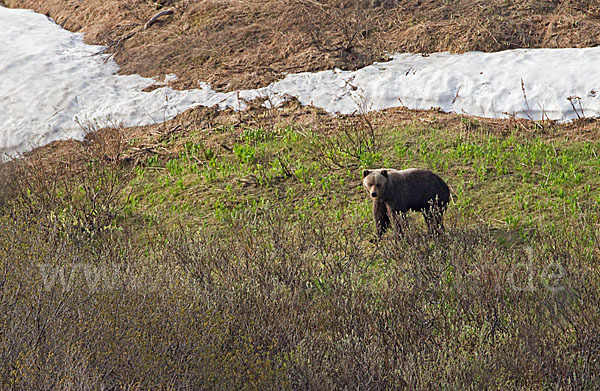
(236, 44)
(234, 250)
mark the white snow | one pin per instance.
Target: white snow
(529, 83)
(51, 82)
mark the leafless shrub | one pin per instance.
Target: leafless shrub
(357, 143)
(88, 195)
(350, 23)
(315, 288)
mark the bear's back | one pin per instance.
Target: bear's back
(414, 188)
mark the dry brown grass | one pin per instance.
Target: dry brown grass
(150, 139)
(240, 44)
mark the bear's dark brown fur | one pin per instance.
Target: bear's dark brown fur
(396, 192)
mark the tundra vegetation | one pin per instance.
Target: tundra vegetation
(238, 255)
(232, 250)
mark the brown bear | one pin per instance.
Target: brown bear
(395, 192)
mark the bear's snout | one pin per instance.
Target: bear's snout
(374, 195)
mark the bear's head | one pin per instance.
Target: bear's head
(374, 182)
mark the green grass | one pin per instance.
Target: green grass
(512, 181)
(243, 261)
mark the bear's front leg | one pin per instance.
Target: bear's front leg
(382, 220)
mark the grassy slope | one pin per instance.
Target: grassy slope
(241, 259)
(512, 179)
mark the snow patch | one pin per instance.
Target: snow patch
(51, 82)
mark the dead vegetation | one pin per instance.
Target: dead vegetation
(238, 44)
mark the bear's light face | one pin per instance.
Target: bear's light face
(374, 182)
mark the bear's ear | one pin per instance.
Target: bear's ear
(384, 173)
(365, 173)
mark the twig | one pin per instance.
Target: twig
(525, 97)
(528, 112)
(456, 97)
(154, 19)
(578, 99)
(114, 46)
